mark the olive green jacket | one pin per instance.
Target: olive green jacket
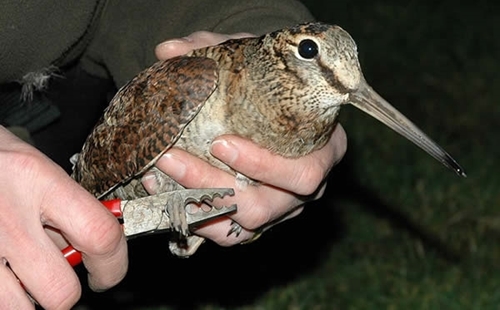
(116, 38)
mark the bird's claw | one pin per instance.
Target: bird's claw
(235, 229)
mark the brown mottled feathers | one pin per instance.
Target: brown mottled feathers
(127, 139)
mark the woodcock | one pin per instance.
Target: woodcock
(282, 90)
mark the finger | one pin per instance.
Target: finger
(32, 256)
(217, 231)
(12, 295)
(257, 205)
(90, 229)
(39, 264)
(299, 175)
(199, 39)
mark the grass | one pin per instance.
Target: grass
(395, 230)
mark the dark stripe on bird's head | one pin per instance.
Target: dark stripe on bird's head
(331, 78)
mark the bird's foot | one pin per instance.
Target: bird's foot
(237, 229)
(185, 209)
(178, 219)
(185, 247)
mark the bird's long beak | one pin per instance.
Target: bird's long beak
(367, 100)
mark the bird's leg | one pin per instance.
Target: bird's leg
(176, 210)
(182, 244)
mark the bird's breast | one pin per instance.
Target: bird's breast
(199, 134)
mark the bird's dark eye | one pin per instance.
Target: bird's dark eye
(308, 49)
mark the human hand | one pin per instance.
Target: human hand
(286, 183)
(42, 209)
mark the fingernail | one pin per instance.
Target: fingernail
(173, 166)
(150, 183)
(169, 43)
(225, 151)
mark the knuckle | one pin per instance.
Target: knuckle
(20, 162)
(102, 235)
(258, 216)
(308, 180)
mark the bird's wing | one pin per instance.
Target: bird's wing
(144, 120)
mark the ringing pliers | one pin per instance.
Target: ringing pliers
(148, 214)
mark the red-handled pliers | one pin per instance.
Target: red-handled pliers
(148, 214)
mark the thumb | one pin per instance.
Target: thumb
(180, 46)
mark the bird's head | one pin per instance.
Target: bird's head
(317, 62)
(308, 71)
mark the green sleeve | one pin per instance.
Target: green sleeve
(129, 30)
